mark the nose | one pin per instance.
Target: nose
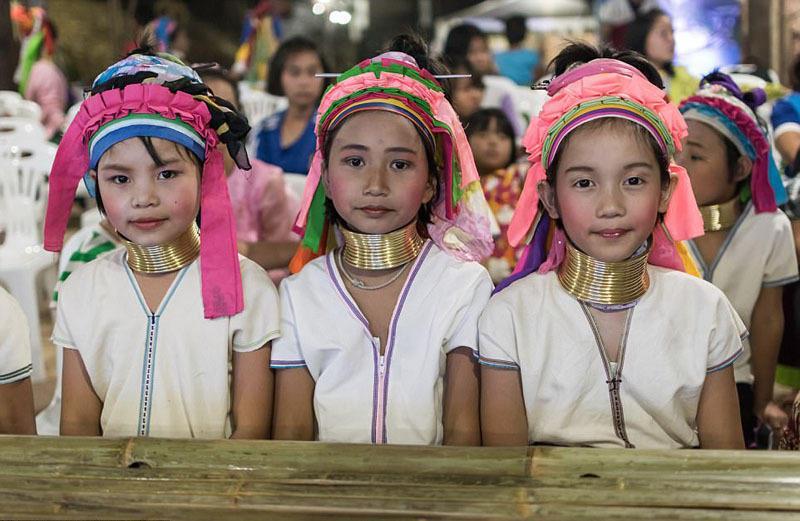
(611, 203)
(375, 182)
(144, 194)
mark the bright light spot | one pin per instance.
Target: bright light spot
(340, 17)
(318, 8)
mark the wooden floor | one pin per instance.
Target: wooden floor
(83, 478)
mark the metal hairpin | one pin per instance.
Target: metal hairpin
(541, 85)
(437, 76)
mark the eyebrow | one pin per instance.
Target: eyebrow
(639, 164)
(124, 168)
(579, 168)
(356, 146)
(695, 143)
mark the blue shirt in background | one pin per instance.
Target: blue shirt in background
(517, 64)
(296, 158)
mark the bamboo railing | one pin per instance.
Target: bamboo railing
(146, 478)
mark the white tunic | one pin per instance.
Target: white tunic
(758, 252)
(162, 374)
(680, 330)
(361, 396)
(15, 341)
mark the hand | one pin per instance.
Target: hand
(773, 416)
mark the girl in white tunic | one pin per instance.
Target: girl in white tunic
(748, 248)
(16, 395)
(600, 339)
(168, 336)
(379, 335)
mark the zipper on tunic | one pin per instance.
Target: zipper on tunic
(613, 372)
(380, 416)
(147, 385)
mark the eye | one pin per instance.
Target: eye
(118, 179)
(400, 165)
(634, 181)
(353, 162)
(168, 174)
(694, 157)
(583, 183)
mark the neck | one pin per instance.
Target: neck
(167, 257)
(606, 285)
(719, 217)
(381, 251)
(300, 112)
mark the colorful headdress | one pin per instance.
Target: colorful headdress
(393, 82)
(601, 88)
(37, 38)
(720, 104)
(158, 96)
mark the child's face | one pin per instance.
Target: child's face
(377, 172)
(660, 42)
(491, 148)
(705, 158)
(300, 85)
(608, 192)
(467, 97)
(146, 203)
(479, 56)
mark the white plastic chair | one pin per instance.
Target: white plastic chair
(258, 105)
(8, 102)
(296, 183)
(21, 131)
(28, 109)
(23, 188)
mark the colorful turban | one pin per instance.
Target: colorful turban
(720, 104)
(601, 88)
(158, 96)
(462, 220)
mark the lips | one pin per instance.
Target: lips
(147, 224)
(374, 210)
(612, 233)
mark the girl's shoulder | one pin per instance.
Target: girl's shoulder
(253, 274)
(528, 292)
(446, 268)
(682, 288)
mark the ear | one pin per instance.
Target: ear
(744, 167)
(547, 195)
(666, 193)
(324, 178)
(430, 190)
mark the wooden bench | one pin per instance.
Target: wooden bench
(144, 478)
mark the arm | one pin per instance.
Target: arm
(80, 406)
(294, 405)
(788, 144)
(503, 417)
(718, 422)
(251, 395)
(16, 408)
(766, 333)
(461, 396)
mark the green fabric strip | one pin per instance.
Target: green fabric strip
(788, 375)
(315, 223)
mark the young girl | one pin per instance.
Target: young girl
(150, 330)
(748, 247)
(286, 139)
(379, 334)
(591, 345)
(16, 394)
(492, 140)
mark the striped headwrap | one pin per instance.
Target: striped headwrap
(601, 88)
(720, 104)
(462, 220)
(158, 96)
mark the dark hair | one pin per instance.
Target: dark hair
(222, 75)
(458, 40)
(482, 119)
(415, 47)
(637, 31)
(794, 74)
(516, 29)
(287, 49)
(157, 159)
(578, 53)
(460, 65)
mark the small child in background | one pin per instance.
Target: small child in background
(379, 327)
(600, 338)
(748, 249)
(170, 335)
(16, 393)
(492, 140)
